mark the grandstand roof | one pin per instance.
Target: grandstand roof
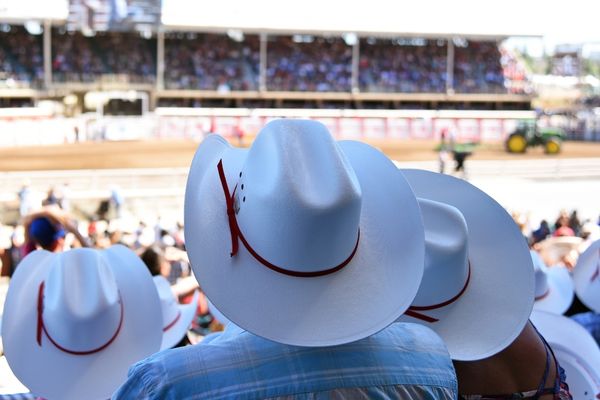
(19, 11)
(422, 18)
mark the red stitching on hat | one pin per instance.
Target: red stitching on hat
(42, 328)
(236, 234)
(412, 310)
(546, 293)
(172, 324)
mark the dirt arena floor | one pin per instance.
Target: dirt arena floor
(171, 153)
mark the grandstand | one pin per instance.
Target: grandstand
(175, 65)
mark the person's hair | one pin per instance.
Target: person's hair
(152, 257)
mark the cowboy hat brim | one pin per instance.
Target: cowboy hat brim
(586, 277)
(575, 349)
(174, 334)
(362, 298)
(498, 299)
(560, 294)
(54, 374)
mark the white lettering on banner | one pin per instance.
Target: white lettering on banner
(41, 131)
(491, 129)
(398, 128)
(421, 128)
(374, 128)
(468, 130)
(350, 128)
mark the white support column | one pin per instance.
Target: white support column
(47, 53)
(450, 66)
(355, 60)
(262, 67)
(160, 59)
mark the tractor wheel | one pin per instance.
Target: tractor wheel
(516, 144)
(552, 146)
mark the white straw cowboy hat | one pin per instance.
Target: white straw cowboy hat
(553, 286)
(300, 239)
(576, 351)
(586, 277)
(74, 322)
(218, 315)
(176, 317)
(477, 289)
(554, 249)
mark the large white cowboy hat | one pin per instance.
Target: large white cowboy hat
(477, 289)
(586, 276)
(321, 242)
(74, 322)
(576, 351)
(176, 317)
(553, 286)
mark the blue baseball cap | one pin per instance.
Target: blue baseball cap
(44, 232)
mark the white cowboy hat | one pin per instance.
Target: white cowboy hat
(477, 289)
(576, 351)
(74, 322)
(554, 249)
(218, 315)
(586, 276)
(553, 286)
(300, 239)
(176, 317)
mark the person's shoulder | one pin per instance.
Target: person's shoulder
(415, 336)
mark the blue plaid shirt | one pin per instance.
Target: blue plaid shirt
(591, 322)
(402, 361)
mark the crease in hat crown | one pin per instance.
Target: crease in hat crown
(542, 287)
(82, 309)
(446, 253)
(298, 196)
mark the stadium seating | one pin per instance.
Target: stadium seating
(298, 63)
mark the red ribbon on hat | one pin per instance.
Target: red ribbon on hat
(172, 324)
(413, 310)
(236, 234)
(42, 328)
(597, 272)
(546, 293)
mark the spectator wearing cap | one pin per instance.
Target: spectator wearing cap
(312, 262)
(47, 230)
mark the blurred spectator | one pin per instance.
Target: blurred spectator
(27, 202)
(156, 262)
(47, 229)
(541, 233)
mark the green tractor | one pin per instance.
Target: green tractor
(528, 133)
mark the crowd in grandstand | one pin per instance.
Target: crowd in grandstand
(21, 58)
(211, 62)
(317, 65)
(293, 63)
(124, 57)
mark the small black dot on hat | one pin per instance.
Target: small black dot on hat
(242, 186)
(244, 199)
(240, 174)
